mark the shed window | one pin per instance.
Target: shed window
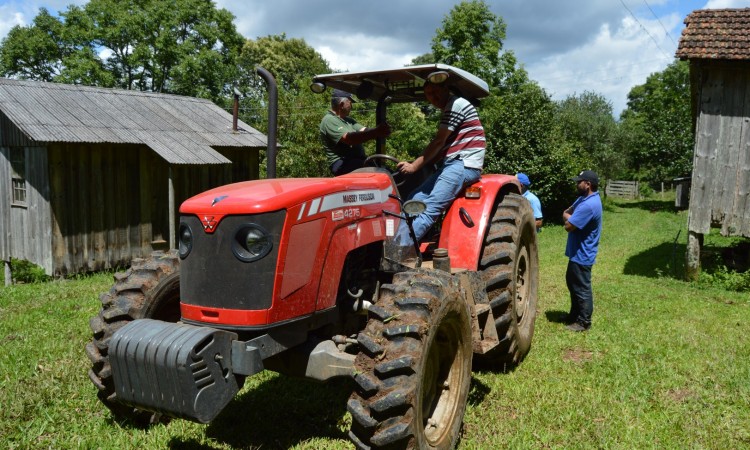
(18, 176)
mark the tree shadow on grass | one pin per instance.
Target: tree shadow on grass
(649, 205)
(665, 260)
(668, 260)
(280, 413)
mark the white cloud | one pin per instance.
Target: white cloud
(9, 18)
(611, 63)
(360, 52)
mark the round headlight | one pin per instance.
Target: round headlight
(251, 243)
(186, 241)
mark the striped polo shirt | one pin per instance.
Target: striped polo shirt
(467, 139)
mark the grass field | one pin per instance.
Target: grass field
(666, 365)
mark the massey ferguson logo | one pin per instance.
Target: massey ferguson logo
(209, 224)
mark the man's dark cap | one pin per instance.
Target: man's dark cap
(338, 93)
(587, 175)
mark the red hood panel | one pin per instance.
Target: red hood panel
(251, 197)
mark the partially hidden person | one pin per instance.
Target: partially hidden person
(536, 205)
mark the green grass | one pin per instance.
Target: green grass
(666, 365)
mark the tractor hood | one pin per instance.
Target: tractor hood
(258, 196)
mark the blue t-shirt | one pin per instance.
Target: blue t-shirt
(536, 205)
(583, 242)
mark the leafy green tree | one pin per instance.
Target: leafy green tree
(293, 63)
(659, 127)
(586, 124)
(288, 59)
(34, 52)
(471, 37)
(186, 47)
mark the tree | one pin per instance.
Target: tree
(293, 63)
(586, 124)
(471, 38)
(185, 47)
(34, 52)
(659, 127)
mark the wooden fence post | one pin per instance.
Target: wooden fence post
(693, 255)
(8, 274)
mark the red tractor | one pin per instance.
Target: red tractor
(296, 276)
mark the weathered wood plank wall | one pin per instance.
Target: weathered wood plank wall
(721, 164)
(31, 225)
(5, 197)
(110, 202)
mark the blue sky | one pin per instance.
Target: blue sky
(567, 46)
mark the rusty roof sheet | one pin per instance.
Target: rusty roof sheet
(182, 130)
(716, 34)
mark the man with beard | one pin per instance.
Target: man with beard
(583, 222)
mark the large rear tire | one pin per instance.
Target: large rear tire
(150, 289)
(510, 268)
(414, 367)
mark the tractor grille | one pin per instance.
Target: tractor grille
(211, 275)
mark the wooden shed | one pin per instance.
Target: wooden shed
(717, 44)
(91, 178)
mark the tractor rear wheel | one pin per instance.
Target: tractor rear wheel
(150, 289)
(510, 267)
(414, 366)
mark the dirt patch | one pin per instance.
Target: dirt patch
(680, 395)
(577, 355)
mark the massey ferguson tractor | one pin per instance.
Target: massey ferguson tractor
(300, 276)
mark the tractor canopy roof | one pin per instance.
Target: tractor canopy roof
(405, 84)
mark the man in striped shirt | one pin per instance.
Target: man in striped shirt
(458, 148)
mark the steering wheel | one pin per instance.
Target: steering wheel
(384, 162)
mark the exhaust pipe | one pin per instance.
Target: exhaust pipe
(273, 100)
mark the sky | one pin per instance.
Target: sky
(567, 46)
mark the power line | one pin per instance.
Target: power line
(644, 28)
(662, 25)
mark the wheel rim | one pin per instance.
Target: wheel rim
(522, 283)
(443, 377)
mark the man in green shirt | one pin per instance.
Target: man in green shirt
(342, 136)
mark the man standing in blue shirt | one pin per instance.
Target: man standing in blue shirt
(583, 222)
(536, 205)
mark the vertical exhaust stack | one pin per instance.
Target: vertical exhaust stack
(235, 110)
(273, 100)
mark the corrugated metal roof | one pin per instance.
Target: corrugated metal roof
(180, 129)
(716, 34)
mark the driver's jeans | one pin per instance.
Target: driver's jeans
(437, 192)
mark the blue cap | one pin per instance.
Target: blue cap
(524, 179)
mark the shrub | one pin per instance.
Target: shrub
(27, 272)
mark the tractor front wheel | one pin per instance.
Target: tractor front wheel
(414, 367)
(150, 289)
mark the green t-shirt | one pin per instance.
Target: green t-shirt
(332, 129)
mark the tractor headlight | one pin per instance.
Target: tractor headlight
(186, 241)
(251, 243)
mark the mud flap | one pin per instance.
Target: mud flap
(174, 369)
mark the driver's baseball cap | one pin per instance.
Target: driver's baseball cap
(338, 93)
(587, 175)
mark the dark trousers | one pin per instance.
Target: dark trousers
(345, 165)
(578, 278)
